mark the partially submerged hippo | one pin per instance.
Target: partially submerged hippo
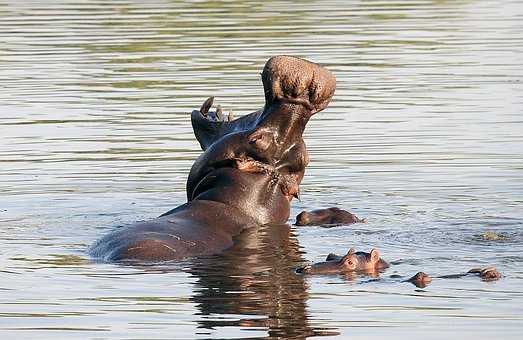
(422, 280)
(371, 262)
(327, 217)
(352, 261)
(249, 172)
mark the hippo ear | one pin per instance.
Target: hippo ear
(374, 255)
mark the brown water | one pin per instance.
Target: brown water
(424, 138)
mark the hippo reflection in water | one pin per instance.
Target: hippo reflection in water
(249, 172)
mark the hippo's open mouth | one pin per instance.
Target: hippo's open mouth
(258, 160)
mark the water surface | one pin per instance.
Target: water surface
(423, 138)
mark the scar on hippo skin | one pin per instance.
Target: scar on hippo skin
(249, 172)
(329, 217)
(353, 261)
(421, 280)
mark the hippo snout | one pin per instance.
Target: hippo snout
(304, 270)
(302, 218)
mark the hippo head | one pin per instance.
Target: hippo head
(352, 261)
(306, 218)
(363, 261)
(420, 280)
(486, 274)
(256, 163)
(328, 216)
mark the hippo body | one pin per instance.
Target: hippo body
(199, 227)
(327, 217)
(248, 174)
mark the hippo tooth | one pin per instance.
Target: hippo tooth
(206, 106)
(219, 113)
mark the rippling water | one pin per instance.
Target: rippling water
(424, 138)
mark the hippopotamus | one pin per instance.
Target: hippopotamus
(422, 280)
(327, 217)
(352, 261)
(371, 262)
(248, 173)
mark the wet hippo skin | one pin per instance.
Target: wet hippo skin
(327, 217)
(248, 174)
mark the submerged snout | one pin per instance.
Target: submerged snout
(302, 218)
(304, 270)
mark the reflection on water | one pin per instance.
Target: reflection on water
(423, 138)
(255, 279)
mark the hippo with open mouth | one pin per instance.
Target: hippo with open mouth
(249, 172)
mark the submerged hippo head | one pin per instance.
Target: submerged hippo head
(352, 261)
(256, 163)
(328, 216)
(486, 274)
(420, 280)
